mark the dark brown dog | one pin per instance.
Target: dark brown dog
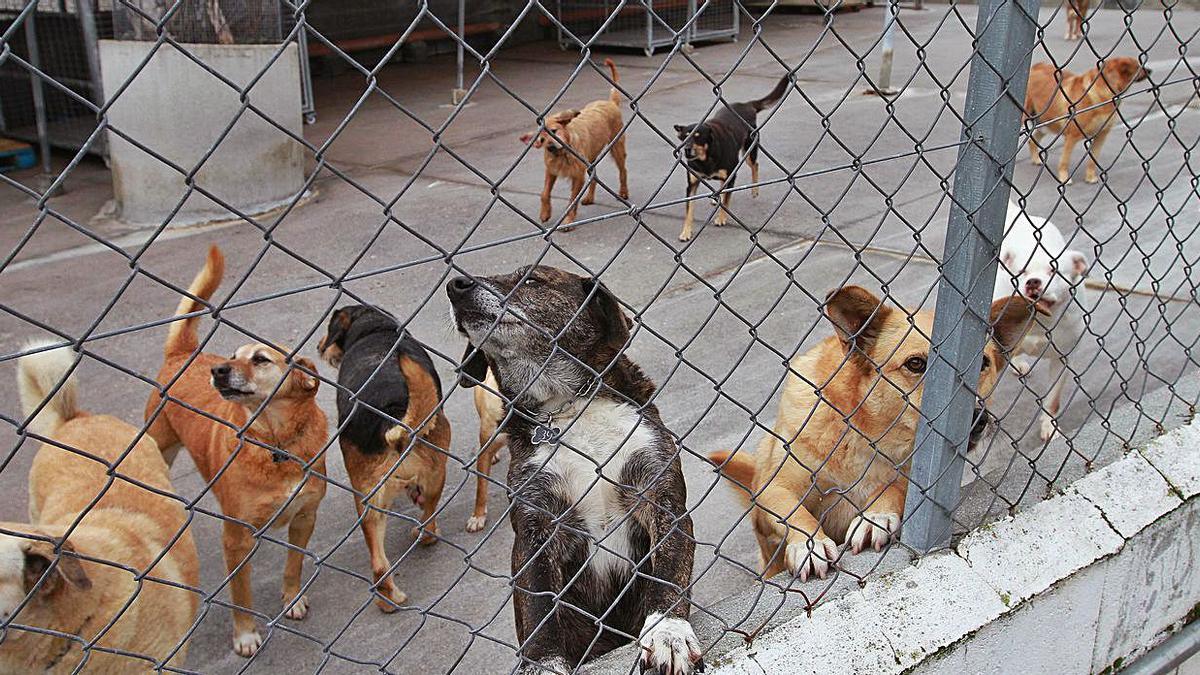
(1078, 107)
(599, 504)
(383, 367)
(573, 140)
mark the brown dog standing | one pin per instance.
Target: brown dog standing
(138, 530)
(849, 415)
(1076, 11)
(492, 440)
(570, 135)
(271, 474)
(1078, 107)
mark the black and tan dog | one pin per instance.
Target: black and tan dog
(714, 148)
(598, 496)
(383, 368)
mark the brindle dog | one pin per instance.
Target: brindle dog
(599, 501)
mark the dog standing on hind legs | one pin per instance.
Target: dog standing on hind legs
(380, 365)
(572, 141)
(268, 475)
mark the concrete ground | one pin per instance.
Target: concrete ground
(841, 171)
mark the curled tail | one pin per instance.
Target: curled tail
(614, 95)
(773, 97)
(738, 467)
(422, 403)
(182, 336)
(37, 376)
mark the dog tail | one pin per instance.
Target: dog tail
(182, 337)
(738, 467)
(422, 402)
(773, 97)
(39, 377)
(614, 95)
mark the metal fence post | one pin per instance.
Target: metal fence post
(992, 114)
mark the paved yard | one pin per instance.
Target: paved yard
(716, 317)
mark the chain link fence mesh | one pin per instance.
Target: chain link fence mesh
(812, 397)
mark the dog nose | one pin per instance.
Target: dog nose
(222, 370)
(459, 287)
(1033, 288)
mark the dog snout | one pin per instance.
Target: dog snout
(459, 287)
(1033, 288)
(221, 371)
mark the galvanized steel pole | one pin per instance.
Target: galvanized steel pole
(992, 116)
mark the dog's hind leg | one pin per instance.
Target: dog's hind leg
(366, 471)
(489, 444)
(431, 477)
(1049, 424)
(752, 160)
(619, 156)
(1070, 137)
(238, 544)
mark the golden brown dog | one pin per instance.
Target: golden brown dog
(271, 478)
(490, 408)
(573, 134)
(849, 416)
(44, 586)
(1078, 107)
(1076, 12)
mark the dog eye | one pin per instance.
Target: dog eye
(916, 364)
(259, 359)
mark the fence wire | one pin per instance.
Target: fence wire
(648, 418)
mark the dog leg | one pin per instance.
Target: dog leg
(238, 544)
(576, 188)
(809, 551)
(1070, 137)
(546, 190)
(537, 553)
(299, 532)
(1093, 157)
(1049, 423)
(590, 197)
(483, 466)
(374, 529)
(686, 233)
(161, 432)
(432, 477)
(619, 155)
(753, 161)
(1035, 150)
(723, 211)
(880, 522)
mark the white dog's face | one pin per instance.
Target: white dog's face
(1045, 279)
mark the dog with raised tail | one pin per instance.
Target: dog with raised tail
(1036, 264)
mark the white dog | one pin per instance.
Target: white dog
(1035, 263)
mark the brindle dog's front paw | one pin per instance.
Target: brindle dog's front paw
(669, 647)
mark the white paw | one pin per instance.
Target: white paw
(556, 665)
(246, 644)
(874, 529)
(1049, 428)
(298, 609)
(1022, 364)
(754, 193)
(813, 557)
(685, 236)
(669, 646)
(476, 523)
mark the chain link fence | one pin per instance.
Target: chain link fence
(784, 327)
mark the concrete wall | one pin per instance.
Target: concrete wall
(178, 110)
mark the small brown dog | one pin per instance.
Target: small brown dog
(849, 414)
(43, 585)
(490, 408)
(1078, 107)
(269, 474)
(573, 134)
(1076, 12)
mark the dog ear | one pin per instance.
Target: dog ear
(339, 325)
(306, 382)
(566, 116)
(614, 325)
(1075, 263)
(1011, 319)
(474, 367)
(856, 315)
(39, 556)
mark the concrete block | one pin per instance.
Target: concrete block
(1177, 456)
(1153, 584)
(179, 111)
(1051, 633)
(1129, 492)
(1024, 555)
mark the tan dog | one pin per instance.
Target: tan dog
(45, 586)
(256, 485)
(1076, 12)
(1078, 107)
(572, 134)
(490, 408)
(836, 481)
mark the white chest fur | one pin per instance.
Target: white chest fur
(597, 440)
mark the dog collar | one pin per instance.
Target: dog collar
(547, 432)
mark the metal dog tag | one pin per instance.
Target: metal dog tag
(544, 434)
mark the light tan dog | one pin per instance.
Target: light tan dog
(1076, 11)
(1078, 107)
(571, 134)
(254, 482)
(849, 416)
(490, 408)
(45, 586)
